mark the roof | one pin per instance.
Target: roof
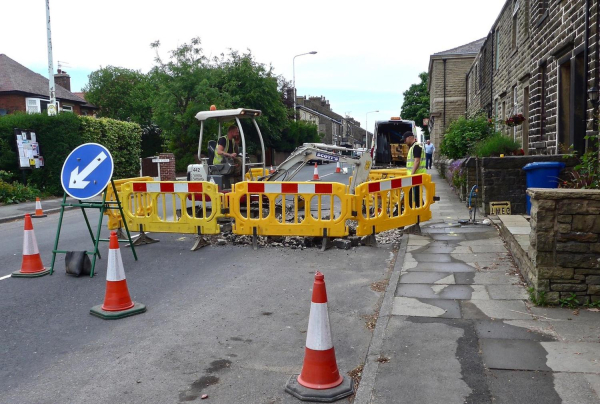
(87, 104)
(312, 111)
(226, 114)
(16, 77)
(472, 48)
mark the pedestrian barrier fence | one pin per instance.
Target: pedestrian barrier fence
(290, 208)
(392, 203)
(172, 207)
(114, 216)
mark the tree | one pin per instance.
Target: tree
(126, 95)
(416, 103)
(121, 94)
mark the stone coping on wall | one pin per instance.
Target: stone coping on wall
(564, 193)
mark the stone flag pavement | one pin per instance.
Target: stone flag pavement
(456, 325)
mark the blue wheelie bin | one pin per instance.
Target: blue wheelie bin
(542, 175)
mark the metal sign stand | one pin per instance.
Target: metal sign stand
(102, 206)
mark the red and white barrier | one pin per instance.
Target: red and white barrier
(167, 187)
(289, 188)
(395, 183)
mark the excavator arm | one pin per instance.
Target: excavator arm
(287, 170)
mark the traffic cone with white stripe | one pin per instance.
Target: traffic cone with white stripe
(320, 379)
(337, 168)
(271, 171)
(31, 266)
(316, 174)
(39, 212)
(117, 302)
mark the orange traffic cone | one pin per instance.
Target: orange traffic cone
(271, 171)
(316, 174)
(337, 168)
(39, 212)
(320, 379)
(117, 302)
(31, 266)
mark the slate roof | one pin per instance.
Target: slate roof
(471, 48)
(16, 77)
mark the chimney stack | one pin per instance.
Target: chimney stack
(63, 79)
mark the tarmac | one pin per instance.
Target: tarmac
(456, 325)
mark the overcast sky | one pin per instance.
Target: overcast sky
(369, 52)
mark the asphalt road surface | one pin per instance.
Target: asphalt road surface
(226, 321)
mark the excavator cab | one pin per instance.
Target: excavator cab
(223, 174)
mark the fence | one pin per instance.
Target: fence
(172, 207)
(288, 208)
(393, 203)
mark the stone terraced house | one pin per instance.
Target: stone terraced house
(447, 91)
(540, 59)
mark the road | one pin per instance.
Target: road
(225, 321)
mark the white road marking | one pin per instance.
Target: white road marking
(325, 175)
(5, 277)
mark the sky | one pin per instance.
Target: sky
(368, 53)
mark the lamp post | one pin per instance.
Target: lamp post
(367, 128)
(294, 76)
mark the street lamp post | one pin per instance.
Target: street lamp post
(294, 76)
(367, 128)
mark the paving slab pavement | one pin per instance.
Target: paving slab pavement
(460, 328)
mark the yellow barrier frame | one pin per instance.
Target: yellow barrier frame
(384, 205)
(143, 200)
(114, 216)
(266, 194)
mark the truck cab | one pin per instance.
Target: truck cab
(389, 148)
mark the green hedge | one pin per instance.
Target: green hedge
(59, 135)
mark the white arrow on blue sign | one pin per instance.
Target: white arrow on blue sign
(87, 171)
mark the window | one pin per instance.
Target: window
(476, 74)
(496, 115)
(515, 24)
(33, 105)
(481, 66)
(515, 110)
(497, 49)
(67, 108)
(37, 105)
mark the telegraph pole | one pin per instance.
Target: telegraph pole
(52, 104)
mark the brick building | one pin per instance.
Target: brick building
(447, 92)
(540, 59)
(24, 90)
(333, 128)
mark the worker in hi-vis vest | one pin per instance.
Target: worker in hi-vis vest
(227, 147)
(415, 164)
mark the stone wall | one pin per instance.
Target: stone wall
(519, 67)
(503, 179)
(565, 243)
(498, 179)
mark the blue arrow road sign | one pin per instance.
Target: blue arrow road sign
(87, 171)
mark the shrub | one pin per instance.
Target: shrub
(496, 145)
(14, 192)
(59, 135)
(586, 174)
(463, 133)
(459, 177)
